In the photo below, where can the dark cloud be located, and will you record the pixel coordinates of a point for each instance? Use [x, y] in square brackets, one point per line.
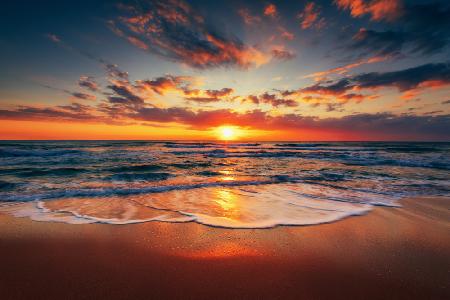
[428, 75]
[114, 72]
[83, 96]
[433, 112]
[271, 99]
[79, 95]
[73, 112]
[125, 95]
[282, 54]
[408, 79]
[164, 84]
[337, 88]
[219, 93]
[380, 42]
[422, 29]
[380, 125]
[89, 83]
[207, 96]
[174, 30]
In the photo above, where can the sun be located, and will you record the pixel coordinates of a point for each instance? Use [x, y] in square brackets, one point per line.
[226, 133]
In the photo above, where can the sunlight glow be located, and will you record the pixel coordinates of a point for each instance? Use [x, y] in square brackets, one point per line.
[227, 133]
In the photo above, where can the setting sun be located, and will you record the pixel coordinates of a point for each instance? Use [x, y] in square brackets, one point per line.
[227, 133]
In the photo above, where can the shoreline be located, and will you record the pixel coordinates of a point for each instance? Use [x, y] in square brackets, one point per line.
[401, 252]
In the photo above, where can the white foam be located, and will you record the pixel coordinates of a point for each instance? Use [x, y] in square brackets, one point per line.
[261, 206]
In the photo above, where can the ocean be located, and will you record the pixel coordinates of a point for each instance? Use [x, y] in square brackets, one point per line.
[232, 184]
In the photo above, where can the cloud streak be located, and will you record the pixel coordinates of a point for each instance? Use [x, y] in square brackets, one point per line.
[381, 125]
[408, 80]
[421, 29]
[310, 17]
[377, 9]
[175, 31]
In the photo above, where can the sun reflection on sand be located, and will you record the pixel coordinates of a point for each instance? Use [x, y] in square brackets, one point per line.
[221, 249]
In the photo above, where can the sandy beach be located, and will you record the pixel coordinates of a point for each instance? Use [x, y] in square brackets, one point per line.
[390, 253]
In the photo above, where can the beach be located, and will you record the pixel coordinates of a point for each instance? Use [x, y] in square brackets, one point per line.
[388, 253]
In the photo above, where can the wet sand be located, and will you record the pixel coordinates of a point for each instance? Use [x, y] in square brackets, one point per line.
[390, 253]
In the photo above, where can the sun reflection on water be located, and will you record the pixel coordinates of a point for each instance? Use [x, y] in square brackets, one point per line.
[226, 200]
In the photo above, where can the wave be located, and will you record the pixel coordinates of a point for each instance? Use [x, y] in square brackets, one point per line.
[97, 192]
[230, 207]
[209, 173]
[11, 152]
[301, 145]
[6, 185]
[154, 176]
[191, 165]
[35, 172]
[136, 168]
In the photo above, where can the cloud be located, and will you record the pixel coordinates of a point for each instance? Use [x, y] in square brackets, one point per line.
[445, 102]
[125, 95]
[404, 80]
[89, 83]
[282, 54]
[79, 95]
[270, 99]
[53, 37]
[208, 96]
[286, 34]
[422, 29]
[164, 84]
[175, 31]
[359, 126]
[83, 96]
[320, 76]
[114, 72]
[219, 93]
[310, 17]
[408, 80]
[74, 112]
[433, 112]
[270, 10]
[248, 18]
[377, 9]
[380, 42]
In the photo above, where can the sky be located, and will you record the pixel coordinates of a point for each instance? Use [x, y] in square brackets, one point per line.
[257, 70]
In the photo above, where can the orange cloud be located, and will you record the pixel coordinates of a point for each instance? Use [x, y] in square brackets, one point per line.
[137, 42]
[248, 18]
[423, 87]
[175, 31]
[319, 76]
[164, 84]
[286, 34]
[270, 10]
[310, 17]
[378, 9]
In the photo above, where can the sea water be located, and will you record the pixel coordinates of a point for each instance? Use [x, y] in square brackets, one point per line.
[233, 184]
